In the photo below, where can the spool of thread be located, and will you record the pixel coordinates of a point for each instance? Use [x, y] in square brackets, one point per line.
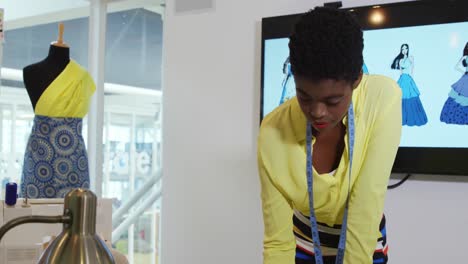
[11, 195]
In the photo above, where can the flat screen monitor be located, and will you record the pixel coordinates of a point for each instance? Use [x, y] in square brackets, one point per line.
[433, 77]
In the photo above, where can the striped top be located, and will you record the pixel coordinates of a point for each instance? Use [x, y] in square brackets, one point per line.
[329, 240]
[329, 236]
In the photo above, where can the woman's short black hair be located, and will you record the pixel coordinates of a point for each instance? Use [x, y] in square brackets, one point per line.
[327, 44]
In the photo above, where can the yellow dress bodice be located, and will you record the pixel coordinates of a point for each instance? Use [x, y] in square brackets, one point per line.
[68, 95]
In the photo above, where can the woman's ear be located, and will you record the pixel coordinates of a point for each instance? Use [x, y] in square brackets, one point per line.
[358, 81]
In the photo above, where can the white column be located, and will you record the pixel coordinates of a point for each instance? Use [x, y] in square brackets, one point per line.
[132, 160]
[96, 59]
[155, 154]
[1, 130]
[11, 167]
[2, 18]
[107, 168]
[153, 233]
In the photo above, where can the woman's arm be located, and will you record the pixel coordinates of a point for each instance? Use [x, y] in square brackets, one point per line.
[412, 65]
[279, 242]
[459, 67]
[368, 192]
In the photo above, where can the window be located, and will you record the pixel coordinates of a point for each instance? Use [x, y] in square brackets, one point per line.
[133, 127]
[28, 34]
[132, 105]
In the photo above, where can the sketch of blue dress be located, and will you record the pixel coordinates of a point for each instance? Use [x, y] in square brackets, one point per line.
[364, 69]
[412, 108]
[455, 110]
[288, 86]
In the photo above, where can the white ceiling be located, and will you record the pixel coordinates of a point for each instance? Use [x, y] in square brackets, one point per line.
[26, 13]
[30, 27]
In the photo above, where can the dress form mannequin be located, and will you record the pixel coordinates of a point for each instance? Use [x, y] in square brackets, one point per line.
[55, 159]
[38, 76]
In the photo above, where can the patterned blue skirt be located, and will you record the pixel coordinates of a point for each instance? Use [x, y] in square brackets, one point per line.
[455, 110]
[55, 160]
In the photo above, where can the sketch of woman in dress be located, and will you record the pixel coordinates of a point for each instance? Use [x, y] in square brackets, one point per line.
[455, 110]
[288, 86]
[412, 108]
[364, 69]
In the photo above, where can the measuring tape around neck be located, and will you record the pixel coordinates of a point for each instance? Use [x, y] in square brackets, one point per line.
[313, 219]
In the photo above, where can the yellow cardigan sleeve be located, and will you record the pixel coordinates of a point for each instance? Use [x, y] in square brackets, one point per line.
[369, 189]
[279, 242]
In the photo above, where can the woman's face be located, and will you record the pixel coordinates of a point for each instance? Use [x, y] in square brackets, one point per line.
[324, 102]
[404, 50]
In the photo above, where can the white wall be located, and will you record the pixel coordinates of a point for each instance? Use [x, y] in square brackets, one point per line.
[427, 220]
[211, 206]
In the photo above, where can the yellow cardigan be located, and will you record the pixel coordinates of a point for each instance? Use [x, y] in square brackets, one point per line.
[282, 168]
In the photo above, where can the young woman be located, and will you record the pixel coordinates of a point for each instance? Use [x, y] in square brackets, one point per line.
[412, 108]
[325, 156]
[455, 110]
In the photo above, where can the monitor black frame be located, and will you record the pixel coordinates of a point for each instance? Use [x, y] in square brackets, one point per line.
[441, 161]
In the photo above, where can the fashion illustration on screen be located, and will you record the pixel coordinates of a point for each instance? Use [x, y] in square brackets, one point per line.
[364, 69]
[288, 88]
[412, 108]
[455, 110]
